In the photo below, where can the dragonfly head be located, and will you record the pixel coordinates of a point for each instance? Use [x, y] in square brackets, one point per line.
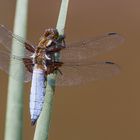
[51, 33]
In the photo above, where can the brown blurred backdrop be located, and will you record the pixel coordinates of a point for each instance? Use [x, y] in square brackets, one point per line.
[103, 110]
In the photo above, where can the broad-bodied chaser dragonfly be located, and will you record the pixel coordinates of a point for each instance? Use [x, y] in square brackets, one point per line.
[77, 65]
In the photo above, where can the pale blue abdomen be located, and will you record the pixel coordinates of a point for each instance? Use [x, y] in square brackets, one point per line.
[37, 94]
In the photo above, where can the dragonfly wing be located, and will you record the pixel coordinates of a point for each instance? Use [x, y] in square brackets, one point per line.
[76, 74]
[87, 50]
[6, 38]
[5, 59]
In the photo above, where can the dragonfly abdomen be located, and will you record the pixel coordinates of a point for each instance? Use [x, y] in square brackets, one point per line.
[37, 94]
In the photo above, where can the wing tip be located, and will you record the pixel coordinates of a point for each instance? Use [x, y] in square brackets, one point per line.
[108, 62]
[116, 35]
[112, 33]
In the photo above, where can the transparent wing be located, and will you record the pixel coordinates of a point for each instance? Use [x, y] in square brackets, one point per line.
[6, 38]
[73, 73]
[4, 65]
[80, 73]
[86, 50]
[78, 58]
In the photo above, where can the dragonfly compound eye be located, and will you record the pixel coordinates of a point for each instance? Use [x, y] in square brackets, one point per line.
[54, 33]
[51, 32]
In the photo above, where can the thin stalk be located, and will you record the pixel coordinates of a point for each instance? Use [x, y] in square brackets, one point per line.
[43, 123]
[14, 114]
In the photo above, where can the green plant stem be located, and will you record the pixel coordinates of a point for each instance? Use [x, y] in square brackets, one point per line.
[14, 114]
[43, 123]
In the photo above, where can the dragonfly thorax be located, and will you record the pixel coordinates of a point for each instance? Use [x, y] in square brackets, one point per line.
[40, 58]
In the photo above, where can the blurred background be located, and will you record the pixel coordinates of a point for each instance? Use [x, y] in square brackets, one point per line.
[103, 110]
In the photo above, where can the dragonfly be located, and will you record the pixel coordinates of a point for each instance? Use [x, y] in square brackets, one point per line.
[75, 65]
